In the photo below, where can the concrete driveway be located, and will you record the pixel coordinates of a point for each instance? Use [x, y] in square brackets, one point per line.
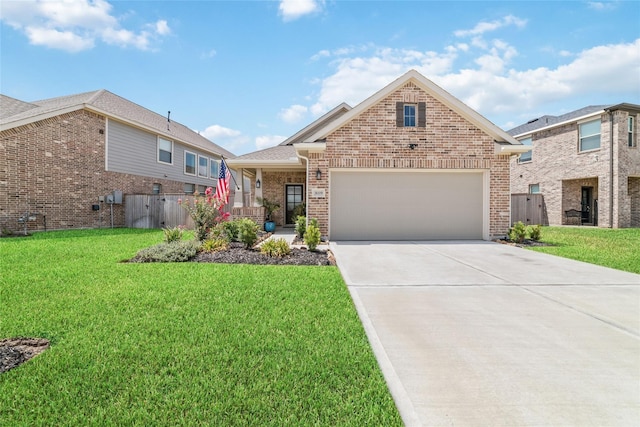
[479, 333]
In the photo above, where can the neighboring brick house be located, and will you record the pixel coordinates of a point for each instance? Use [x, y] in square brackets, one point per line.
[410, 162]
[61, 157]
[576, 165]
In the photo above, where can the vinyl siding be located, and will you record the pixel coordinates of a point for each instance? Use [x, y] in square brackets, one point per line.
[134, 151]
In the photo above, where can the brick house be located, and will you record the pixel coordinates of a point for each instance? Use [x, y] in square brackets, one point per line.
[62, 159]
[586, 161]
[410, 162]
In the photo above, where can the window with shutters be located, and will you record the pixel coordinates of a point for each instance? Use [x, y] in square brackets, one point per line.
[411, 114]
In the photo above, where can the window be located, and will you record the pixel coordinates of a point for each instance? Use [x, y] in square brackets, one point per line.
[165, 151]
[189, 188]
[589, 135]
[630, 129]
[526, 157]
[213, 170]
[203, 166]
[189, 163]
[534, 188]
[157, 188]
[202, 189]
[409, 116]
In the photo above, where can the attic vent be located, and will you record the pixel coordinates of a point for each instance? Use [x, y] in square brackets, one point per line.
[532, 121]
[410, 97]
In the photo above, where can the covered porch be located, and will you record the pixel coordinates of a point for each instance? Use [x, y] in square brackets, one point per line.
[580, 201]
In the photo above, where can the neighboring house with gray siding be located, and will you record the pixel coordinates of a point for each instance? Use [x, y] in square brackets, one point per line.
[60, 157]
[585, 163]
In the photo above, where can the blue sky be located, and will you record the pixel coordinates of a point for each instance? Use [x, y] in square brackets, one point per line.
[248, 74]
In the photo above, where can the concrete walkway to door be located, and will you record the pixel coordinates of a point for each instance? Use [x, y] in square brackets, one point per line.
[479, 333]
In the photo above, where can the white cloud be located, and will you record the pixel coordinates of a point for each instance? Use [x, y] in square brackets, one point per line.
[267, 141]
[75, 25]
[231, 139]
[483, 27]
[209, 54]
[293, 114]
[294, 9]
[599, 5]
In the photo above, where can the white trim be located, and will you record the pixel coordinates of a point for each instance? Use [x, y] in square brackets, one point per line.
[184, 169]
[566, 122]
[511, 149]
[217, 163]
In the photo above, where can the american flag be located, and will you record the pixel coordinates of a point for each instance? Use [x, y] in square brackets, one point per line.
[222, 189]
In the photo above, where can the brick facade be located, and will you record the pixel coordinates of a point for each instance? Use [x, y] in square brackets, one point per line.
[56, 167]
[373, 141]
[562, 171]
[274, 184]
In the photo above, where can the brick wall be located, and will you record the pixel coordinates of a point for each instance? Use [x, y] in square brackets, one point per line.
[561, 171]
[56, 167]
[273, 189]
[448, 141]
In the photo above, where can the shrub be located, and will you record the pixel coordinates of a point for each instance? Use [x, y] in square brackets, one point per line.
[312, 235]
[300, 210]
[215, 245]
[535, 232]
[518, 232]
[206, 212]
[180, 251]
[247, 232]
[275, 248]
[301, 225]
[173, 234]
[231, 229]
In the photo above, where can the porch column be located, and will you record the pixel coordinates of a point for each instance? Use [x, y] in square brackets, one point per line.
[258, 190]
[239, 198]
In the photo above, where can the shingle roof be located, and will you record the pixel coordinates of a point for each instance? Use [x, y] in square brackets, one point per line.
[545, 121]
[110, 104]
[277, 153]
[11, 106]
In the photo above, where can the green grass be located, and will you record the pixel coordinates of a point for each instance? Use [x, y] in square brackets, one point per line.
[615, 248]
[180, 344]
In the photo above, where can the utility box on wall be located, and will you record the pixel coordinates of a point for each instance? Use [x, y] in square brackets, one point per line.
[114, 198]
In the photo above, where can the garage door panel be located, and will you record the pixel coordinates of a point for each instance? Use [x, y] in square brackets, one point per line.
[406, 205]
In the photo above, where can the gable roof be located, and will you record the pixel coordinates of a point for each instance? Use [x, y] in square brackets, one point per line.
[550, 121]
[431, 88]
[105, 103]
[285, 153]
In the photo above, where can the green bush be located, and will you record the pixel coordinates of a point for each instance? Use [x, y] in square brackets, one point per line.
[300, 210]
[180, 251]
[301, 225]
[518, 232]
[173, 234]
[247, 232]
[535, 232]
[275, 248]
[215, 245]
[312, 235]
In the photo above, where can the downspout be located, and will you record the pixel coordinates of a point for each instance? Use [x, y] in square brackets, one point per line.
[306, 185]
[611, 139]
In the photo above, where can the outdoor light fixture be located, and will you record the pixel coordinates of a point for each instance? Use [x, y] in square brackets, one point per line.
[413, 146]
[258, 183]
[318, 174]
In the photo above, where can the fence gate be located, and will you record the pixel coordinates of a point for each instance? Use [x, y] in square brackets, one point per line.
[155, 211]
[529, 208]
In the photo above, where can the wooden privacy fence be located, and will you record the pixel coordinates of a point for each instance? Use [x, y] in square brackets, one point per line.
[158, 210]
[529, 208]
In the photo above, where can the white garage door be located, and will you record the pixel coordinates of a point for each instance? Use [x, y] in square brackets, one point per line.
[406, 205]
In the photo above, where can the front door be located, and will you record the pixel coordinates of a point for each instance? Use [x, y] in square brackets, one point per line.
[587, 205]
[294, 197]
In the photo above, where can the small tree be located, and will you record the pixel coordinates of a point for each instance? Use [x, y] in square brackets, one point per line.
[269, 207]
[312, 235]
[301, 225]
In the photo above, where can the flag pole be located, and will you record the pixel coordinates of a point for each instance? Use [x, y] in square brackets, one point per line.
[227, 166]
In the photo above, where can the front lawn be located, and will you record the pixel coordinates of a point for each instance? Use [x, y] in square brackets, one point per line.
[180, 344]
[615, 248]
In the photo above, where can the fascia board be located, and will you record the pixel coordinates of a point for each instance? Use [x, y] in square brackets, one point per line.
[266, 164]
[501, 149]
[566, 122]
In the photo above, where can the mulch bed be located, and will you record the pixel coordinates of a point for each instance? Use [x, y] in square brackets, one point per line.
[237, 254]
[526, 243]
[16, 351]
